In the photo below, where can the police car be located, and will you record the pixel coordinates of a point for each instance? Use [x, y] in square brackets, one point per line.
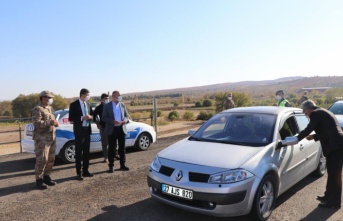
[139, 135]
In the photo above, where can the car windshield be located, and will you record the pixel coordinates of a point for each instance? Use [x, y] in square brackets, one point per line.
[247, 129]
[337, 108]
[62, 113]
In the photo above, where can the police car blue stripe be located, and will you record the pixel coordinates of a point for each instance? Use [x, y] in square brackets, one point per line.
[134, 133]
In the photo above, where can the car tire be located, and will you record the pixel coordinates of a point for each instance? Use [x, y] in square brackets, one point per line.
[143, 142]
[67, 153]
[321, 168]
[265, 198]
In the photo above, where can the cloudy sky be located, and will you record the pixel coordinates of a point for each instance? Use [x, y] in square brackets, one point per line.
[145, 45]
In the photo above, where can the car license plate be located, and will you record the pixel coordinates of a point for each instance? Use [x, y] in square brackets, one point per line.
[175, 191]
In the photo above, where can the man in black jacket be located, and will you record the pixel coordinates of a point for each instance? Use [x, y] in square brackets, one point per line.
[101, 124]
[80, 114]
[330, 135]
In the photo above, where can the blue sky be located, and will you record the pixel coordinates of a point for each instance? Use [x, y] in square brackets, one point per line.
[146, 45]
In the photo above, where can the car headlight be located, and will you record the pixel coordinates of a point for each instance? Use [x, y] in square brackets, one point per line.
[230, 176]
[155, 165]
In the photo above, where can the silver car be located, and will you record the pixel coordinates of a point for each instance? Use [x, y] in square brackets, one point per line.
[234, 163]
[337, 110]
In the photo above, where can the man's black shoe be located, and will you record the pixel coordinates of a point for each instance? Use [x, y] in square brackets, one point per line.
[87, 174]
[111, 170]
[329, 205]
[125, 168]
[322, 198]
[41, 185]
[47, 180]
[79, 177]
[117, 157]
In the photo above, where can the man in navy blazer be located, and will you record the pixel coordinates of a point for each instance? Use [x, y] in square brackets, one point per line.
[116, 117]
[80, 114]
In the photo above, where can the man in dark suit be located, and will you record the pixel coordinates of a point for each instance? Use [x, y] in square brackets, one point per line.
[101, 124]
[80, 114]
[330, 135]
[116, 117]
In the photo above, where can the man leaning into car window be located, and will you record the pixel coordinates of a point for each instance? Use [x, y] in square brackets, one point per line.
[330, 135]
[44, 135]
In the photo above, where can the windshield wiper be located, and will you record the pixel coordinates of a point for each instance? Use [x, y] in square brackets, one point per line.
[229, 142]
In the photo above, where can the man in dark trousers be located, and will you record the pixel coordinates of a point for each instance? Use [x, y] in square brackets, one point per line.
[101, 124]
[80, 114]
[116, 117]
[330, 135]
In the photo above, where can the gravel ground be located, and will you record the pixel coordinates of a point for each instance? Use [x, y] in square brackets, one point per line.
[124, 195]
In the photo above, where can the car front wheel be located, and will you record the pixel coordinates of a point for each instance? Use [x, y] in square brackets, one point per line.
[68, 152]
[143, 142]
[264, 200]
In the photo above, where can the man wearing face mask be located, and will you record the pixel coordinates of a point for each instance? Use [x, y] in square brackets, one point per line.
[330, 135]
[44, 135]
[281, 101]
[80, 114]
[101, 124]
[229, 103]
[116, 117]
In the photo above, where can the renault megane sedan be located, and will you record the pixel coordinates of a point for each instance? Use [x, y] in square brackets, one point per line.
[235, 164]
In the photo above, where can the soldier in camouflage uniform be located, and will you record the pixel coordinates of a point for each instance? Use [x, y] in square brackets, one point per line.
[228, 104]
[44, 136]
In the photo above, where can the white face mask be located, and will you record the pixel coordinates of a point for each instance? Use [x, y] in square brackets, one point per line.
[87, 98]
[120, 98]
[107, 101]
[50, 101]
[229, 98]
[278, 97]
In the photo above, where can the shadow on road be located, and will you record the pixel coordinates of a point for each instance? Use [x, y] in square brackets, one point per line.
[296, 188]
[149, 208]
[324, 214]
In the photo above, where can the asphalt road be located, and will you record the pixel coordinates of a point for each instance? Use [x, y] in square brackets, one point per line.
[125, 195]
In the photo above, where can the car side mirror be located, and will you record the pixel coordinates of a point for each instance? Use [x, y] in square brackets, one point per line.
[287, 141]
[191, 132]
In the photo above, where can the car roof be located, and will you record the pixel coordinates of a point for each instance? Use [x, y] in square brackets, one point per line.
[264, 110]
[338, 102]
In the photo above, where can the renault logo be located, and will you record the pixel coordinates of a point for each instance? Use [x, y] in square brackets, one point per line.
[179, 175]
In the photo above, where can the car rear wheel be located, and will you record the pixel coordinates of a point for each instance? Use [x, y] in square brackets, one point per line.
[264, 200]
[321, 168]
[68, 152]
[143, 142]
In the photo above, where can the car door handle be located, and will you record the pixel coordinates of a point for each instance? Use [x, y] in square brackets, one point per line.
[301, 147]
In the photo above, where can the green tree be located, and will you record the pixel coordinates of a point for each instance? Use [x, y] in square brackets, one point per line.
[332, 94]
[5, 108]
[23, 104]
[240, 99]
[188, 115]
[204, 115]
[206, 103]
[173, 115]
[198, 104]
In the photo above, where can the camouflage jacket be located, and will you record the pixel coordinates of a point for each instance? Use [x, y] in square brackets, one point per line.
[228, 104]
[41, 117]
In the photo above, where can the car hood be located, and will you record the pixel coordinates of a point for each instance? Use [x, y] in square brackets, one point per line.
[340, 119]
[209, 154]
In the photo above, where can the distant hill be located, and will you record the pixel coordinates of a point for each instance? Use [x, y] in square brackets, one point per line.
[254, 88]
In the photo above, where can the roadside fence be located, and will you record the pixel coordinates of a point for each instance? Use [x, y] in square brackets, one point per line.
[19, 130]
